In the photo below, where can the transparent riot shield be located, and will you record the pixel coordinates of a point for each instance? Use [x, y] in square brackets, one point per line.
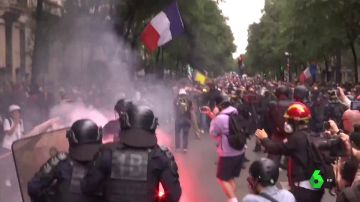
[32, 152]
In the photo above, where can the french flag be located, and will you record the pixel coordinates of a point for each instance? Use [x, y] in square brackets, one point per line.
[309, 72]
[164, 27]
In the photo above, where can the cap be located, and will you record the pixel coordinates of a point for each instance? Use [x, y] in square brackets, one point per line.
[14, 108]
[182, 91]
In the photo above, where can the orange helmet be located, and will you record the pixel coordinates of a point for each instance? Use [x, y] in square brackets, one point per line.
[298, 112]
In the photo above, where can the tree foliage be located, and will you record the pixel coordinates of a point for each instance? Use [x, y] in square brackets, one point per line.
[312, 30]
[207, 43]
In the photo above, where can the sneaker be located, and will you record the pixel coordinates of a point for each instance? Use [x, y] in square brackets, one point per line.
[185, 150]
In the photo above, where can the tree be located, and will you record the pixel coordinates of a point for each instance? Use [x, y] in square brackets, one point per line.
[207, 43]
[314, 30]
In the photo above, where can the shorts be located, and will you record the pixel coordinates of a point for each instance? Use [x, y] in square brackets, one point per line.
[229, 167]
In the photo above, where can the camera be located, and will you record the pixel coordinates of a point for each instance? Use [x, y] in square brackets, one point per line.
[355, 105]
[334, 145]
[326, 125]
[355, 136]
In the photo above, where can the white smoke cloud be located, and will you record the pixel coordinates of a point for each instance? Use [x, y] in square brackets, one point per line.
[68, 113]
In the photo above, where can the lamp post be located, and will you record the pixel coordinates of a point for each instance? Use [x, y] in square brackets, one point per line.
[288, 75]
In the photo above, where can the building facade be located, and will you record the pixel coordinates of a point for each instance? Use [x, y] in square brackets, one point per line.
[17, 25]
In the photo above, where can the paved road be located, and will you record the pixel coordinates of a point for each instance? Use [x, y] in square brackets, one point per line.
[197, 172]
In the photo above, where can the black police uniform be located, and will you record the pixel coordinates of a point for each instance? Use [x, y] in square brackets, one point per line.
[334, 110]
[132, 169]
[59, 178]
[275, 116]
[67, 173]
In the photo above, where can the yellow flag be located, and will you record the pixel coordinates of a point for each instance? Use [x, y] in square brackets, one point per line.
[201, 78]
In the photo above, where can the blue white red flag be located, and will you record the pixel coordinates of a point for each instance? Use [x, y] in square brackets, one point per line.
[164, 27]
[309, 72]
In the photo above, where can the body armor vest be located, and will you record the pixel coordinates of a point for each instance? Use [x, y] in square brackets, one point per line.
[71, 191]
[277, 112]
[131, 179]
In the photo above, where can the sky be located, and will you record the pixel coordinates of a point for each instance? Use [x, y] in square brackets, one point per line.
[241, 14]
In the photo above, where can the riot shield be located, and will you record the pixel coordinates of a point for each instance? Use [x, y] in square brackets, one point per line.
[32, 152]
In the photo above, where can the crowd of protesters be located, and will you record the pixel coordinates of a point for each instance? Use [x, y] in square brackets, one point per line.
[323, 112]
[328, 114]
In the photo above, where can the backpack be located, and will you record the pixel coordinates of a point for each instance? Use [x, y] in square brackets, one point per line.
[319, 161]
[182, 105]
[237, 131]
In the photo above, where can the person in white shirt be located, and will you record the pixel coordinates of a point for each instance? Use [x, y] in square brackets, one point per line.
[13, 127]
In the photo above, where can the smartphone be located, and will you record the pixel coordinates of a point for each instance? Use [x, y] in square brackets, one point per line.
[326, 125]
[355, 105]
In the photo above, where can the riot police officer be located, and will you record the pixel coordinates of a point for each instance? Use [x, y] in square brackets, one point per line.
[132, 170]
[301, 94]
[111, 130]
[275, 118]
[334, 110]
[59, 178]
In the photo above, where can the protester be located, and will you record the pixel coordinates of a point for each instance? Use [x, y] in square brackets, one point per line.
[262, 183]
[296, 126]
[183, 107]
[230, 160]
[13, 127]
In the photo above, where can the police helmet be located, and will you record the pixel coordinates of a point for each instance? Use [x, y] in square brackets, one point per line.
[141, 129]
[120, 106]
[144, 118]
[282, 91]
[85, 139]
[264, 171]
[84, 131]
[301, 93]
[126, 108]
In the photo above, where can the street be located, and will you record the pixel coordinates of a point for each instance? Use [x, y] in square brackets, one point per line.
[197, 170]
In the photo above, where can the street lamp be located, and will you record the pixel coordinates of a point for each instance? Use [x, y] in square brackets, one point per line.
[287, 54]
